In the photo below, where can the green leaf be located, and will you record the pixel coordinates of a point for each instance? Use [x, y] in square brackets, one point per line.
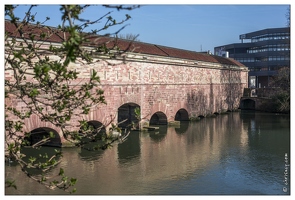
[73, 181]
[33, 93]
[61, 172]
[74, 190]
[55, 182]
[32, 159]
[9, 183]
[51, 134]
[43, 179]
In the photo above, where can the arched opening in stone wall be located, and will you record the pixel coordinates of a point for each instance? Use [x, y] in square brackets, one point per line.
[96, 127]
[128, 112]
[94, 131]
[181, 115]
[247, 104]
[39, 134]
[201, 116]
[159, 118]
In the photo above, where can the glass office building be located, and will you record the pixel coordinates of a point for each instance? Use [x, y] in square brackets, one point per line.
[263, 52]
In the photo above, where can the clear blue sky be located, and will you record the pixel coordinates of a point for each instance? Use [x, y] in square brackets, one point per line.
[193, 27]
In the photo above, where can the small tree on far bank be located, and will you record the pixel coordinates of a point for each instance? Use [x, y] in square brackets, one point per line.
[282, 81]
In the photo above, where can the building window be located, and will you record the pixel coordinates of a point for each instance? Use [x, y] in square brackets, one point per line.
[277, 47]
[276, 58]
[271, 36]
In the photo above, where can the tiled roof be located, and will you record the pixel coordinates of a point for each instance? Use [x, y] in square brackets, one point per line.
[126, 45]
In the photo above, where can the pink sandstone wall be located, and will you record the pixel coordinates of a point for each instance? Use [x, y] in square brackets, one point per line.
[164, 86]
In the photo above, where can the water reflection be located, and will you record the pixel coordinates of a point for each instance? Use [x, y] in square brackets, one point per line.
[159, 134]
[89, 155]
[236, 153]
[182, 127]
[130, 149]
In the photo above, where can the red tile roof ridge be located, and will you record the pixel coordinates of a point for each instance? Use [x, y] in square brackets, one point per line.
[133, 46]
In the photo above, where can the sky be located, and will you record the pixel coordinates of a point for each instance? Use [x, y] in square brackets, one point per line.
[196, 27]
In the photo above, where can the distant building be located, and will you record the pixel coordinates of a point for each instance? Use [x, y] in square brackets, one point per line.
[263, 52]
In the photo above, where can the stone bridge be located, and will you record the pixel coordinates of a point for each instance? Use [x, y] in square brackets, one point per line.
[166, 84]
[258, 99]
[254, 103]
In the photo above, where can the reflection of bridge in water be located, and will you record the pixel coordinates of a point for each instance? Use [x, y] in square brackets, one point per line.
[230, 149]
[174, 153]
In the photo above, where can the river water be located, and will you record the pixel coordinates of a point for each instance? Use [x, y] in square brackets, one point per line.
[240, 153]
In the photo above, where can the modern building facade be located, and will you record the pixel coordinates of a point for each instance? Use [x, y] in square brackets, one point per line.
[263, 52]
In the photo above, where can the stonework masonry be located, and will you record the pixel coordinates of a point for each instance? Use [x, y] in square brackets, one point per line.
[156, 84]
